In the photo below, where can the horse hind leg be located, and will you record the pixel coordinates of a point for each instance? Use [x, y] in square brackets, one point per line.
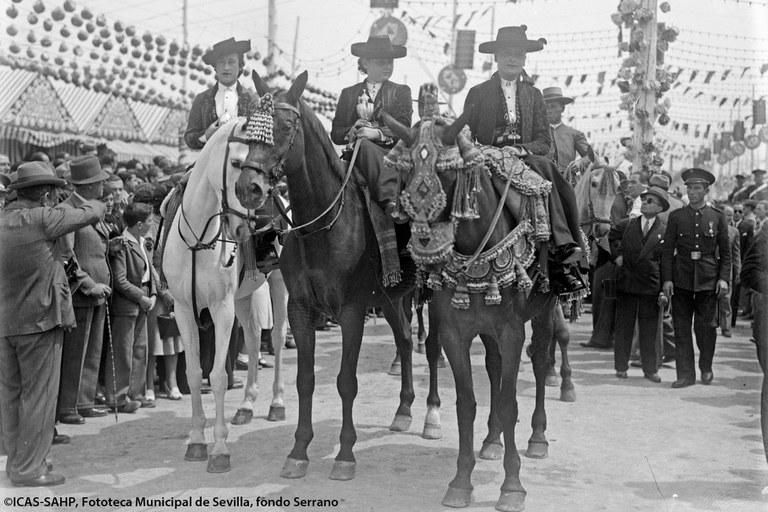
[432, 425]
[541, 339]
[493, 448]
[197, 449]
[397, 317]
[352, 320]
[563, 337]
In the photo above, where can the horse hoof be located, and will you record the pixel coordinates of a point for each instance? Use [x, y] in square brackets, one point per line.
[276, 413]
[401, 423]
[551, 381]
[394, 369]
[294, 468]
[457, 498]
[432, 431]
[511, 501]
[567, 395]
[196, 452]
[343, 470]
[537, 450]
[491, 451]
[218, 463]
[242, 417]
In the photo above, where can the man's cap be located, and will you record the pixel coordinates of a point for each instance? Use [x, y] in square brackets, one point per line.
[660, 194]
[697, 175]
[85, 170]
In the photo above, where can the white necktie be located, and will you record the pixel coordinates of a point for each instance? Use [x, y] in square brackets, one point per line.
[646, 226]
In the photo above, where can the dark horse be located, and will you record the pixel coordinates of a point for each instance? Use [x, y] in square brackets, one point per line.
[331, 264]
[476, 236]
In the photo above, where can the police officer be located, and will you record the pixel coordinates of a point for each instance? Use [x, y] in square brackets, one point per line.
[695, 269]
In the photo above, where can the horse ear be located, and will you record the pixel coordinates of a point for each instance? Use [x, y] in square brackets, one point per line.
[400, 130]
[259, 84]
[451, 132]
[297, 88]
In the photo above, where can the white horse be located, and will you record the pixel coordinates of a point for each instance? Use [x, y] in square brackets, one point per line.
[202, 270]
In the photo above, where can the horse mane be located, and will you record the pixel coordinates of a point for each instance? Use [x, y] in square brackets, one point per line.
[314, 133]
[609, 181]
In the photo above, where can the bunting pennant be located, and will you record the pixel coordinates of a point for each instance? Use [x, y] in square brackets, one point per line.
[709, 76]
[693, 75]
[601, 77]
[725, 74]
[744, 71]
[568, 80]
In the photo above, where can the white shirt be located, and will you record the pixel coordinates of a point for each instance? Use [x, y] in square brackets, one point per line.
[647, 224]
[140, 242]
[373, 89]
[509, 88]
[226, 102]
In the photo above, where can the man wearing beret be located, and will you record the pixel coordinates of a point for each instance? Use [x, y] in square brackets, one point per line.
[224, 101]
[35, 310]
[695, 269]
[567, 142]
[507, 110]
[81, 351]
[639, 282]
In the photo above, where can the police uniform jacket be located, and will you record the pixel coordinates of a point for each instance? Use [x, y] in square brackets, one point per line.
[392, 98]
[696, 251]
[203, 113]
[34, 292]
[486, 105]
[640, 273]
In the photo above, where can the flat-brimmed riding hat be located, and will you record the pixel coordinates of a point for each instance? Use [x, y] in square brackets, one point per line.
[85, 170]
[378, 47]
[512, 37]
[33, 174]
[555, 94]
[740, 176]
[226, 47]
[660, 194]
[758, 171]
[696, 175]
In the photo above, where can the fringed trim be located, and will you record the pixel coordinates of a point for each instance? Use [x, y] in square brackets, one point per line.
[435, 281]
[502, 163]
[392, 278]
[460, 299]
[465, 196]
[260, 123]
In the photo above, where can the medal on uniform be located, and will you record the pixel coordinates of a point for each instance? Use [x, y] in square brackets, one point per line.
[711, 229]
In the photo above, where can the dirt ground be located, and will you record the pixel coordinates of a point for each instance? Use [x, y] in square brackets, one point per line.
[624, 445]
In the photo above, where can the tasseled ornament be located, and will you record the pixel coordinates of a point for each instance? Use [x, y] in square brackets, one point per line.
[435, 281]
[523, 281]
[460, 298]
[248, 251]
[260, 124]
[492, 295]
[465, 196]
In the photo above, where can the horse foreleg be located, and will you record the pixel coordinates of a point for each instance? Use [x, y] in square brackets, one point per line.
[197, 449]
[251, 331]
[352, 318]
[563, 337]
[512, 497]
[300, 317]
[279, 329]
[432, 424]
[398, 319]
[223, 318]
[541, 339]
[493, 448]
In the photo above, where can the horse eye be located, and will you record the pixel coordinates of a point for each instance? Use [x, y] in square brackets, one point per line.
[236, 162]
[594, 184]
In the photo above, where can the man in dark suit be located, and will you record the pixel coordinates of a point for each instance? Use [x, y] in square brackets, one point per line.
[759, 190]
[696, 268]
[508, 110]
[81, 351]
[725, 301]
[738, 187]
[567, 142]
[639, 283]
[225, 100]
[35, 309]
[359, 107]
[135, 293]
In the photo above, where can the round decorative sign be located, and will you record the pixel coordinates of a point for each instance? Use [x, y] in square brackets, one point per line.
[738, 148]
[392, 27]
[451, 79]
[729, 155]
[752, 141]
[721, 159]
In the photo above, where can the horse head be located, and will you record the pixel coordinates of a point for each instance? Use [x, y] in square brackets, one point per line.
[595, 193]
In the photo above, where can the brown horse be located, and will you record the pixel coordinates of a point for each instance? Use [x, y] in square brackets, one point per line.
[331, 265]
[466, 233]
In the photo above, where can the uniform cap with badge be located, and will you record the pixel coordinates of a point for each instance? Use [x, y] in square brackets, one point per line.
[696, 175]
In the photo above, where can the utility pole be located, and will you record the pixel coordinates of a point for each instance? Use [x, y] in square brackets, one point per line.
[646, 104]
[452, 53]
[295, 47]
[185, 44]
[271, 35]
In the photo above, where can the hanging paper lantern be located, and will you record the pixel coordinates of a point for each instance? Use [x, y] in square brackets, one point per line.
[45, 58]
[171, 61]
[11, 30]
[69, 5]
[664, 119]
[136, 54]
[738, 148]
[31, 18]
[46, 42]
[173, 48]
[47, 25]
[77, 21]
[86, 13]
[147, 37]
[159, 57]
[104, 33]
[31, 37]
[183, 72]
[208, 71]
[108, 45]
[119, 26]
[101, 20]
[65, 32]
[149, 46]
[57, 14]
[130, 30]
[78, 51]
[31, 55]
[181, 63]
[38, 6]
[124, 49]
[131, 64]
[96, 41]
[90, 27]
[82, 35]
[12, 12]
[184, 53]
[105, 57]
[119, 37]
[136, 42]
[665, 7]
[14, 48]
[118, 62]
[59, 61]
[63, 47]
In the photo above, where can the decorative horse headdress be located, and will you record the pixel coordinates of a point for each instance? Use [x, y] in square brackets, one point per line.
[260, 123]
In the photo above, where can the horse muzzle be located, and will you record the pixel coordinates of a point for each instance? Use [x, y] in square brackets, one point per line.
[251, 189]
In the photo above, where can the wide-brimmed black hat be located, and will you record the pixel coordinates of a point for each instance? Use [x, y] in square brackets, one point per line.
[555, 94]
[696, 175]
[33, 174]
[226, 47]
[512, 37]
[378, 47]
[660, 194]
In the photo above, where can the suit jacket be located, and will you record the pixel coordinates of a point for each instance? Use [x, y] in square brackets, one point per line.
[34, 292]
[734, 240]
[486, 106]
[89, 245]
[566, 144]
[746, 232]
[759, 193]
[640, 273]
[128, 268]
[754, 272]
[392, 98]
[696, 250]
[203, 113]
